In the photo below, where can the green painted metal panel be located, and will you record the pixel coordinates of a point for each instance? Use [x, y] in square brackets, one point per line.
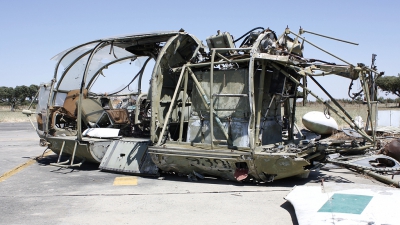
[346, 203]
[129, 156]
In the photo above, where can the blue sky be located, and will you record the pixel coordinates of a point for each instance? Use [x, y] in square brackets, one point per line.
[34, 31]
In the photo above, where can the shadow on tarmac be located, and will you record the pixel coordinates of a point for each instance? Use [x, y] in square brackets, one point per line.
[289, 207]
[46, 160]
[314, 176]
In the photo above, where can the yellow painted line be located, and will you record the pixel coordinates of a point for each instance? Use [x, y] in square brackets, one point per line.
[19, 168]
[125, 181]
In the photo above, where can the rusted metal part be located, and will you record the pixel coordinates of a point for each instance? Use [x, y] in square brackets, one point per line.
[392, 149]
[241, 174]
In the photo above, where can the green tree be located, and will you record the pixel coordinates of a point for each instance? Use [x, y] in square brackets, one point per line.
[21, 93]
[18, 95]
[382, 100]
[389, 84]
[7, 95]
[33, 89]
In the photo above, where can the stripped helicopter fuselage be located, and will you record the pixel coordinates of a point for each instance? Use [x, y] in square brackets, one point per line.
[228, 112]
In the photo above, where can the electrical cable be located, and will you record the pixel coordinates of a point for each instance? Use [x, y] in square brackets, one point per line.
[248, 33]
[134, 78]
[244, 41]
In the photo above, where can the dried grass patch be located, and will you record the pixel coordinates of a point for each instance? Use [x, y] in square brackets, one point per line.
[14, 117]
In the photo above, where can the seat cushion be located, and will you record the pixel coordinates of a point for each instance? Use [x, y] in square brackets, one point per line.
[119, 116]
[70, 102]
[91, 110]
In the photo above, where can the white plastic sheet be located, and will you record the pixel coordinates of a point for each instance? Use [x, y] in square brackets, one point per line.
[101, 132]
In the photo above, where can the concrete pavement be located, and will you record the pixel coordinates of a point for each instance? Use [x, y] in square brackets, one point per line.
[41, 193]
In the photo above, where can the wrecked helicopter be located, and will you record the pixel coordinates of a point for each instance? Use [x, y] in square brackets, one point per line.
[225, 110]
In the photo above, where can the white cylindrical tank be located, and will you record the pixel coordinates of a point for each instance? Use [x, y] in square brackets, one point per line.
[317, 122]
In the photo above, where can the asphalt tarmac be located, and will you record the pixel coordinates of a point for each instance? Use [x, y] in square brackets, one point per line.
[34, 192]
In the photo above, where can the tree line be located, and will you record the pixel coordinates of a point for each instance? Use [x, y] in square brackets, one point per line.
[20, 95]
[23, 95]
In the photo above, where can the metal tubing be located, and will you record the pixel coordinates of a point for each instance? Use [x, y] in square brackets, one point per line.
[166, 118]
[206, 102]
[287, 111]
[202, 92]
[265, 116]
[343, 150]
[143, 69]
[366, 92]
[70, 66]
[183, 105]
[371, 89]
[217, 119]
[321, 49]
[73, 49]
[79, 117]
[73, 153]
[72, 63]
[29, 117]
[335, 102]
[259, 102]
[37, 93]
[231, 49]
[61, 164]
[361, 132]
[137, 108]
[296, 41]
[312, 156]
[223, 57]
[157, 76]
[376, 117]
[215, 63]
[292, 112]
[106, 65]
[371, 70]
[383, 179]
[51, 97]
[336, 39]
[141, 76]
[298, 130]
[62, 149]
[211, 94]
[69, 166]
[320, 74]
[51, 94]
[230, 95]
